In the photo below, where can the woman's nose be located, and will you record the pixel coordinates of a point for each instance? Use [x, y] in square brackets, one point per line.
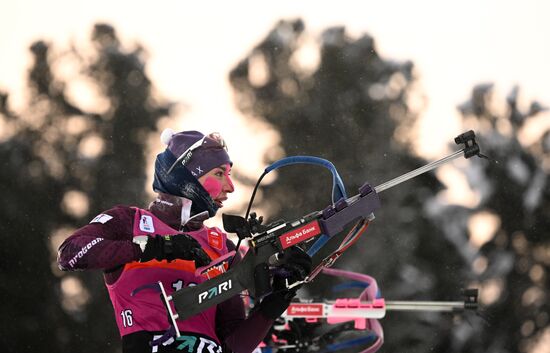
[228, 185]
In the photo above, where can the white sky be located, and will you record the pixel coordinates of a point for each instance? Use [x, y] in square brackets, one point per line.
[193, 45]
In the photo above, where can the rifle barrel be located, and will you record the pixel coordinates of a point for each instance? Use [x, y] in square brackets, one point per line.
[416, 172]
[424, 306]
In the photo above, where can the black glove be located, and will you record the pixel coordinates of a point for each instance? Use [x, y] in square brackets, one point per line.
[294, 265]
[178, 246]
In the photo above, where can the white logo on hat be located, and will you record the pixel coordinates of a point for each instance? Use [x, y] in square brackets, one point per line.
[199, 170]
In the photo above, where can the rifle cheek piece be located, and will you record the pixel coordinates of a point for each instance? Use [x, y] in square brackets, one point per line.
[237, 225]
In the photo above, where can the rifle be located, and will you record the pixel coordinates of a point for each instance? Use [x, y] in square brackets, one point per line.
[252, 273]
[297, 329]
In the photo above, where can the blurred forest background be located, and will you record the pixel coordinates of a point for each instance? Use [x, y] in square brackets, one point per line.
[62, 165]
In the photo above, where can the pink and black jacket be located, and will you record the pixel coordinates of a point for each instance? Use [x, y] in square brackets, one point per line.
[107, 243]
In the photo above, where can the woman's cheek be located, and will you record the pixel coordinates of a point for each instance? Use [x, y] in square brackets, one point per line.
[213, 186]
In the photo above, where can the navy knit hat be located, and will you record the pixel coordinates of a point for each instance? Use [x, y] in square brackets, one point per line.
[188, 156]
[197, 152]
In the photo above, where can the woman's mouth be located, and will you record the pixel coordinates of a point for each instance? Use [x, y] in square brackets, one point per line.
[219, 202]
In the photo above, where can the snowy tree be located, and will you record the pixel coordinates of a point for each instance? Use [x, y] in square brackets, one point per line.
[354, 108]
[64, 160]
[511, 257]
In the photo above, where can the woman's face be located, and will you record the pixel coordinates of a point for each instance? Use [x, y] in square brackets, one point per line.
[218, 183]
